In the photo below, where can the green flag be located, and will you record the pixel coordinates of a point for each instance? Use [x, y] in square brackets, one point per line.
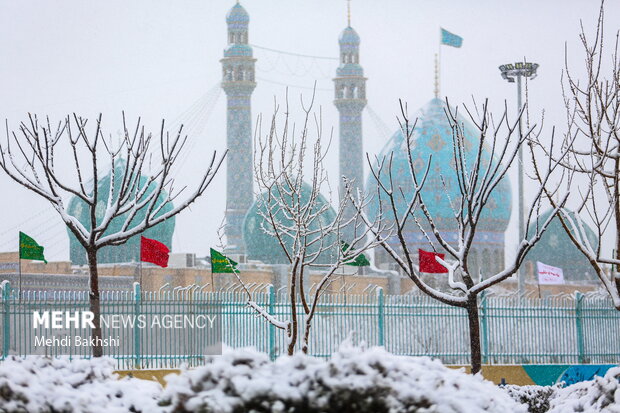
[359, 261]
[29, 249]
[221, 263]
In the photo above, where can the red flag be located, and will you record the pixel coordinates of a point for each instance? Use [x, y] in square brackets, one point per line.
[429, 264]
[154, 252]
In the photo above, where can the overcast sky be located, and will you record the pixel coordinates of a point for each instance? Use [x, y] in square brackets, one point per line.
[160, 59]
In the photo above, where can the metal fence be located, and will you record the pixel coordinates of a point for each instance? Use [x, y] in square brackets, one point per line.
[564, 329]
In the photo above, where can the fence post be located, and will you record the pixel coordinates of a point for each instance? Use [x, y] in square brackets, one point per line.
[579, 326]
[136, 330]
[484, 326]
[381, 316]
[272, 328]
[6, 321]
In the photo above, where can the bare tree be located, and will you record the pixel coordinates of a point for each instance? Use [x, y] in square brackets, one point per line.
[295, 213]
[29, 157]
[590, 155]
[477, 178]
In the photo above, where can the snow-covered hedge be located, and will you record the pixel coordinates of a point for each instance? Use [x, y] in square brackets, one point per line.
[599, 395]
[44, 385]
[353, 380]
[537, 398]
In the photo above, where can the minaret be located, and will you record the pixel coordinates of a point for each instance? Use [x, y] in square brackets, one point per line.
[350, 99]
[238, 82]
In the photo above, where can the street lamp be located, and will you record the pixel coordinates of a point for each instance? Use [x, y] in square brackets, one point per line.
[510, 71]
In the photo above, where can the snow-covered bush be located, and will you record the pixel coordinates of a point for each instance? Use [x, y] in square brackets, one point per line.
[599, 395]
[58, 385]
[353, 380]
[537, 398]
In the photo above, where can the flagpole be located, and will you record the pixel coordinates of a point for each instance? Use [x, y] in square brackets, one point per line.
[438, 67]
[19, 265]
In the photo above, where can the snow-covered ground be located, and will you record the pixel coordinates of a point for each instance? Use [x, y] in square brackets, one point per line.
[244, 380]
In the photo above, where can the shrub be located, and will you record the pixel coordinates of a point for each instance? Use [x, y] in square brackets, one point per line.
[537, 398]
[353, 380]
[58, 385]
[599, 395]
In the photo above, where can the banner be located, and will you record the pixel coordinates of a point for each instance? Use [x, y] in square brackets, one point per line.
[154, 252]
[450, 39]
[360, 261]
[549, 275]
[429, 264]
[29, 249]
[221, 263]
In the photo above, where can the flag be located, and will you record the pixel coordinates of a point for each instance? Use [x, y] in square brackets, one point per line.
[549, 275]
[451, 39]
[221, 263]
[29, 249]
[429, 264]
[154, 252]
[359, 261]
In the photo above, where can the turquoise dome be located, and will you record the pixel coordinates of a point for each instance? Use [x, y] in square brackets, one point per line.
[349, 38]
[238, 50]
[556, 248]
[237, 16]
[266, 248]
[130, 250]
[433, 136]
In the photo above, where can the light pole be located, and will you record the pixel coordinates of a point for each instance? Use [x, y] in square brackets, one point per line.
[519, 71]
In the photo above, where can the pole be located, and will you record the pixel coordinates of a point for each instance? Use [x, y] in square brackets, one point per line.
[521, 273]
[19, 265]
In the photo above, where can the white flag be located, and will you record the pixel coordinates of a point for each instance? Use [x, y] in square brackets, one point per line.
[549, 275]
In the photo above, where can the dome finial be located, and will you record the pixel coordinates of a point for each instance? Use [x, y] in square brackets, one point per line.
[349, 13]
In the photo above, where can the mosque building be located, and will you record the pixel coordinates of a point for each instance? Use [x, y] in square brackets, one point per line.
[432, 135]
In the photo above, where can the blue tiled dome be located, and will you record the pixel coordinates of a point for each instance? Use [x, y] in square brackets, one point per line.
[349, 37]
[263, 247]
[130, 250]
[237, 15]
[238, 50]
[433, 136]
[555, 248]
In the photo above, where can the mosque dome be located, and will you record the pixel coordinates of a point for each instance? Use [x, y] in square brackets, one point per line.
[237, 16]
[238, 50]
[556, 248]
[349, 37]
[433, 136]
[266, 248]
[130, 250]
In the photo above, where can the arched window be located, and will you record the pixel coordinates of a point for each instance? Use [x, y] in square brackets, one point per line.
[231, 37]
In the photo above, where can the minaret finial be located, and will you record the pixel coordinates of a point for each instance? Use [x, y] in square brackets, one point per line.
[436, 76]
[349, 13]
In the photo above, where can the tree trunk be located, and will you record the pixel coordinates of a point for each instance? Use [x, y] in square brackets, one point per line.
[474, 334]
[94, 302]
[614, 268]
[293, 293]
[304, 347]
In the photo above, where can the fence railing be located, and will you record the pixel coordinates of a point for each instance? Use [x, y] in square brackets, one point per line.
[567, 329]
